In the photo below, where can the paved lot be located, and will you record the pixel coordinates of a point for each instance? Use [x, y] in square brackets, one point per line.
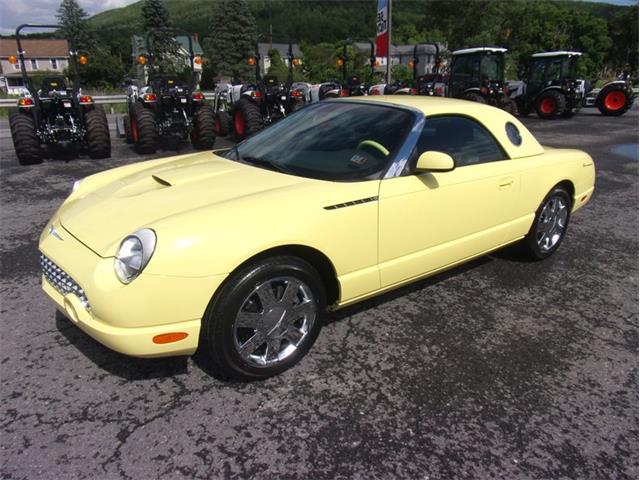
[499, 369]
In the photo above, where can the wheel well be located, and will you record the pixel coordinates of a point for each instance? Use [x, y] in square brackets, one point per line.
[316, 258]
[568, 185]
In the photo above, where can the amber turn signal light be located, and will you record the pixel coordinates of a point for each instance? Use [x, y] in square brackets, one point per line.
[170, 337]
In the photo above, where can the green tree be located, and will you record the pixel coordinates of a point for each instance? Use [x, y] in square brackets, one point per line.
[72, 18]
[232, 40]
[162, 45]
[281, 70]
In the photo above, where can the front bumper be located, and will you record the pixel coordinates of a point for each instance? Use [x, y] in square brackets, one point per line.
[124, 318]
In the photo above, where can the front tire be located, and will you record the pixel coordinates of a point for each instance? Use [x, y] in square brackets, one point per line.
[98, 138]
[264, 319]
[549, 225]
[247, 119]
[551, 105]
[613, 101]
[25, 139]
[222, 123]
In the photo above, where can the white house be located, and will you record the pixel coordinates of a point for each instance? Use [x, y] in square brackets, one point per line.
[41, 56]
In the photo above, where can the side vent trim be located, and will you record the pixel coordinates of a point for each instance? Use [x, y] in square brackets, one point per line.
[351, 203]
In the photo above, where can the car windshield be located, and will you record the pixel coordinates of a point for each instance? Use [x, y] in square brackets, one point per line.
[336, 141]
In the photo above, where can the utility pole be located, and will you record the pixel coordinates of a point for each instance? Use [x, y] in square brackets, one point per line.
[389, 42]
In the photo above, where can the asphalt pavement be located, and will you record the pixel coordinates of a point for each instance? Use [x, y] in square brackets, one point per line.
[499, 369]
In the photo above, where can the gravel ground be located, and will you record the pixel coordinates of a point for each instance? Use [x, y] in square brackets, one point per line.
[499, 369]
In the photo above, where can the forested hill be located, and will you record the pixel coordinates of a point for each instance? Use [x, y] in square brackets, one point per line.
[314, 21]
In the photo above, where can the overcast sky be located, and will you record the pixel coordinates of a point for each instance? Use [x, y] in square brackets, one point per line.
[15, 12]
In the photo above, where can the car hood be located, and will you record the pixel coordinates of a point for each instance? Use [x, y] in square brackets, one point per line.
[101, 217]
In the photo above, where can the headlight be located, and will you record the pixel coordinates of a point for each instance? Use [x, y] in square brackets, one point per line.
[134, 253]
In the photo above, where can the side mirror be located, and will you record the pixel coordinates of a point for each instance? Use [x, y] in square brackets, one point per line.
[432, 161]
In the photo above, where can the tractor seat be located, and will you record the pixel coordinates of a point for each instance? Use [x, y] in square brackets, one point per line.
[52, 84]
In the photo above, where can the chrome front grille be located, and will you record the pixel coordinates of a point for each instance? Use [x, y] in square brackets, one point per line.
[62, 282]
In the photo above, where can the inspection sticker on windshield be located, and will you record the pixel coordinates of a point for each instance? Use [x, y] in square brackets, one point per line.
[358, 160]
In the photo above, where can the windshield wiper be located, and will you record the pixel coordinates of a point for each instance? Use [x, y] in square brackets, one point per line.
[261, 162]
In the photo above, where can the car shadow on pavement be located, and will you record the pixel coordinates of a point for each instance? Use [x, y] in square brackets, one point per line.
[129, 368]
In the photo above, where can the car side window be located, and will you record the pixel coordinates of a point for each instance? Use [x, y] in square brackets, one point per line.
[468, 142]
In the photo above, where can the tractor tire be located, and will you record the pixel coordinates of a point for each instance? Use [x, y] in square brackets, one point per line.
[474, 97]
[98, 138]
[202, 135]
[25, 139]
[143, 130]
[126, 122]
[551, 105]
[222, 123]
[613, 101]
[247, 119]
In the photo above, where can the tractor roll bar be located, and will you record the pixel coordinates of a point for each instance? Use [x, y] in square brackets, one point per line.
[416, 60]
[23, 69]
[372, 56]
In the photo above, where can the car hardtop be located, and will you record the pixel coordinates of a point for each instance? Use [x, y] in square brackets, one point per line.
[493, 119]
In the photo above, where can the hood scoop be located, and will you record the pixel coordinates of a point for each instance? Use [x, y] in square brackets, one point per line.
[161, 181]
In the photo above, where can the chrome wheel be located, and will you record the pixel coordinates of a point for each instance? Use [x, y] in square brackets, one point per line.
[551, 223]
[274, 320]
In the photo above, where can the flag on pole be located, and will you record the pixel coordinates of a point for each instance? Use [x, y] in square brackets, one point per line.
[382, 28]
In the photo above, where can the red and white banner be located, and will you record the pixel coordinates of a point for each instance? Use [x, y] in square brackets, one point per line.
[382, 28]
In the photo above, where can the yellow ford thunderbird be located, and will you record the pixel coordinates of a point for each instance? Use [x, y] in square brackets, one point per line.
[238, 252]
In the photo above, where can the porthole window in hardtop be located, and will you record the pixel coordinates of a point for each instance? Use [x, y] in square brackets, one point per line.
[514, 134]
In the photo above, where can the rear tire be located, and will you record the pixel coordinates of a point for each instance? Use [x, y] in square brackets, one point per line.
[247, 119]
[551, 105]
[241, 350]
[613, 101]
[549, 225]
[222, 123]
[98, 138]
[202, 135]
[143, 130]
[126, 122]
[474, 97]
[25, 138]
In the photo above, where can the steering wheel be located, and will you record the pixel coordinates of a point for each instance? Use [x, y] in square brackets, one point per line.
[373, 144]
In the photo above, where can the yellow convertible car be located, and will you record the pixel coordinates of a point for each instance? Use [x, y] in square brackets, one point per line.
[238, 252]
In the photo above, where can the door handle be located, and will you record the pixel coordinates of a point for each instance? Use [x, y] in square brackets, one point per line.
[506, 182]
